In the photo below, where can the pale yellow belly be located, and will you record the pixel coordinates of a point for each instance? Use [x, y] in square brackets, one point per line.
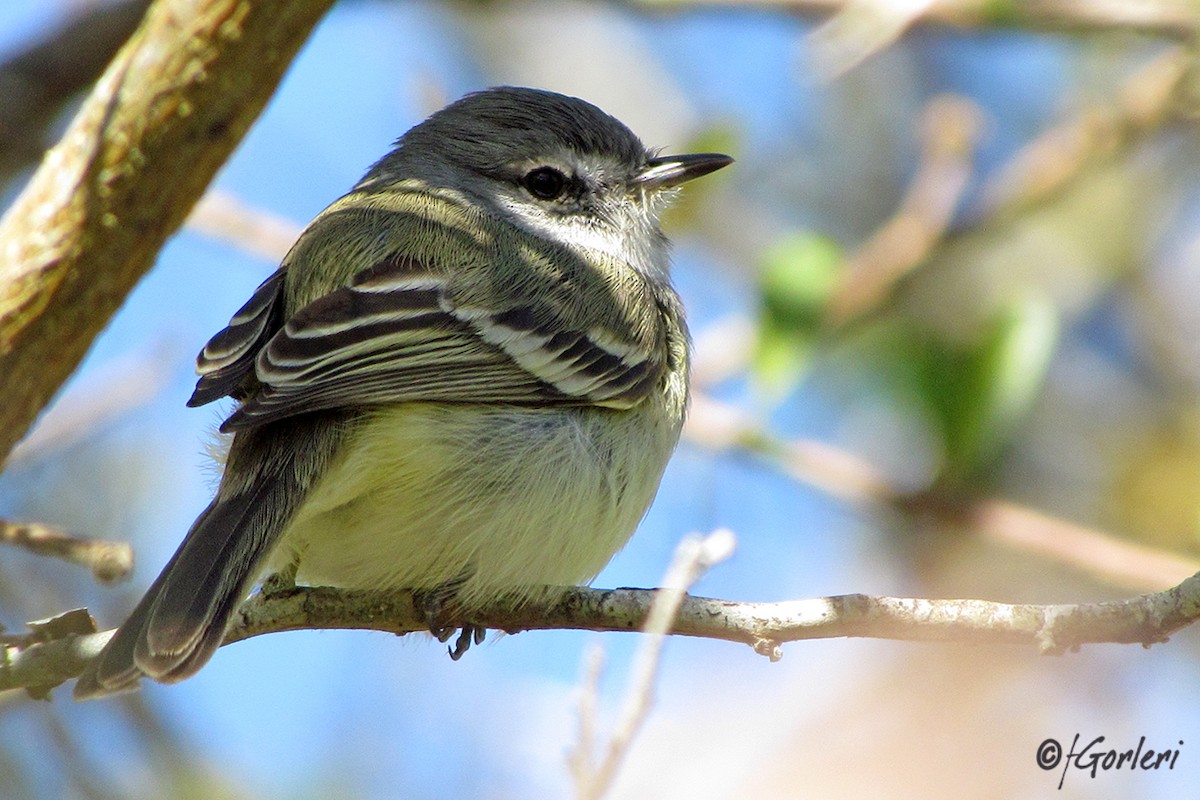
[501, 499]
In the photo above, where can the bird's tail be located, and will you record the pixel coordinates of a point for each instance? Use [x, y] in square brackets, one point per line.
[180, 622]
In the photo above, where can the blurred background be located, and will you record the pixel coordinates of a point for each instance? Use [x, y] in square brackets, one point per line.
[947, 317]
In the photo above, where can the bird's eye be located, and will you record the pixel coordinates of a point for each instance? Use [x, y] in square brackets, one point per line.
[545, 183]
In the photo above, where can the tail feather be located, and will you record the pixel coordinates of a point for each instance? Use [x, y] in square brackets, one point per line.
[174, 624]
[181, 620]
[218, 560]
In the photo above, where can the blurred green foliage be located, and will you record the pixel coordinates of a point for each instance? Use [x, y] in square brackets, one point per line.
[799, 273]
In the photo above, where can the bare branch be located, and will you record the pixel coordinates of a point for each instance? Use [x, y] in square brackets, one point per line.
[1172, 19]
[109, 561]
[693, 557]
[950, 130]
[161, 120]
[1052, 629]
[1145, 619]
[851, 479]
[106, 394]
[859, 30]
[580, 758]
[53, 650]
[1146, 101]
[253, 230]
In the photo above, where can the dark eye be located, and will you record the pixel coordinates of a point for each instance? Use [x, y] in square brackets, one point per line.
[545, 183]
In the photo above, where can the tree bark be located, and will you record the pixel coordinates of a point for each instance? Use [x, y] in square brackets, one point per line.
[159, 123]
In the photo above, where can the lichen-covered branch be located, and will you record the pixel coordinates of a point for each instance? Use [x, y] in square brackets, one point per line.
[158, 124]
[44, 76]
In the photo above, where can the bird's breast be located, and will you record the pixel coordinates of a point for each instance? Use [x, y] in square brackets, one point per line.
[499, 499]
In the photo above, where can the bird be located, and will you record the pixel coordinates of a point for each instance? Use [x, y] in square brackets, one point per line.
[465, 379]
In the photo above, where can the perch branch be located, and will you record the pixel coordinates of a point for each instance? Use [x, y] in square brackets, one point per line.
[39, 661]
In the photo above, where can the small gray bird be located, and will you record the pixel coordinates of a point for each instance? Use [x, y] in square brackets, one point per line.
[465, 379]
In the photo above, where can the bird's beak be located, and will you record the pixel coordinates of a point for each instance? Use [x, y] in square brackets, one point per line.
[666, 171]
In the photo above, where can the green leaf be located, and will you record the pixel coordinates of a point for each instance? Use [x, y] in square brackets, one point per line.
[800, 272]
[981, 393]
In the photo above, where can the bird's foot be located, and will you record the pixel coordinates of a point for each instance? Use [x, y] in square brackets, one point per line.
[444, 618]
[280, 582]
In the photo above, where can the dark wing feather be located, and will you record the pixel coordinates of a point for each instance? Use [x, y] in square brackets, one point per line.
[393, 335]
[228, 359]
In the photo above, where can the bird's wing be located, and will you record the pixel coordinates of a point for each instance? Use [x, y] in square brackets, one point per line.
[394, 334]
[227, 361]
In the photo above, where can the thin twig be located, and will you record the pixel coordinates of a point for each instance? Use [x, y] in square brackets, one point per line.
[859, 30]
[253, 230]
[110, 392]
[109, 561]
[580, 758]
[693, 557]
[950, 130]
[852, 479]
[1145, 101]
[1171, 19]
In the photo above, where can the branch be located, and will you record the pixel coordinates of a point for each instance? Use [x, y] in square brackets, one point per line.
[109, 561]
[849, 478]
[40, 80]
[255, 231]
[54, 650]
[950, 129]
[161, 120]
[1053, 629]
[594, 772]
[1153, 97]
[1147, 101]
[106, 394]
[1171, 19]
